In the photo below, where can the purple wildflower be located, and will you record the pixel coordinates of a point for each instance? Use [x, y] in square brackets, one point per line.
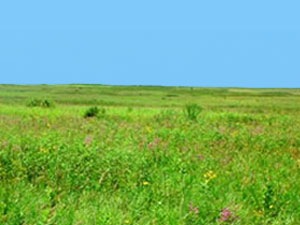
[227, 216]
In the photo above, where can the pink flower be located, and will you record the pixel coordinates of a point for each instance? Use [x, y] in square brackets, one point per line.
[88, 140]
[227, 216]
[194, 209]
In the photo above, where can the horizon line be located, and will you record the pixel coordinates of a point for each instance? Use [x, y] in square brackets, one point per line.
[145, 85]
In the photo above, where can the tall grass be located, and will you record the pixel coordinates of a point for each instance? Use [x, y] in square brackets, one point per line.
[150, 165]
[192, 111]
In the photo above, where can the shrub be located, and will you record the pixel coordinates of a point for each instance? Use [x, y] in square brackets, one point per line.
[94, 111]
[192, 111]
[45, 103]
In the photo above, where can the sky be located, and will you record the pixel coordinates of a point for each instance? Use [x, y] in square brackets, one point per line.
[215, 43]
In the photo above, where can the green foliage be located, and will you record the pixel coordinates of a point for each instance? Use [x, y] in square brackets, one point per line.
[192, 111]
[147, 96]
[149, 165]
[44, 103]
[94, 111]
[91, 112]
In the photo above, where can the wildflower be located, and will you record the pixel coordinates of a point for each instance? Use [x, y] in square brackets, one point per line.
[210, 175]
[146, 183]
[259, 213]
[44, 150]
[194, 209]
[88, 140]
[150, 145]
[227, 215]
[148, 129]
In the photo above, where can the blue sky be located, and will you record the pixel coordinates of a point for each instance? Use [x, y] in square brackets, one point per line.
[212, 43]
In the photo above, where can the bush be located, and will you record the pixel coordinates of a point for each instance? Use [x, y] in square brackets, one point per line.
[192, 111]
[94, 112]
[45, 103]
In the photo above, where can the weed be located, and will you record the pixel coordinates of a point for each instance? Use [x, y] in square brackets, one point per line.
[94, 111]
[44, 103]
[192, 111]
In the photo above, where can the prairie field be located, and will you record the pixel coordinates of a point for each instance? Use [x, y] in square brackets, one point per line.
[149, 155]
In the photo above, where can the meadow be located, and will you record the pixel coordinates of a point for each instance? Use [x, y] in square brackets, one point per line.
[149, 155]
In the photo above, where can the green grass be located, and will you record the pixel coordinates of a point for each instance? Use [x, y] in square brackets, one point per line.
[144, 161]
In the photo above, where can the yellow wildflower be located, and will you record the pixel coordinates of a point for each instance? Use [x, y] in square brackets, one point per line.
[210, 175]
[44, 150]
[246, 180]
[148, 129]
[259, 212]
[145, 183]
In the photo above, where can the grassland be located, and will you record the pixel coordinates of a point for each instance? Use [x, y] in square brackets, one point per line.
[144, 161]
